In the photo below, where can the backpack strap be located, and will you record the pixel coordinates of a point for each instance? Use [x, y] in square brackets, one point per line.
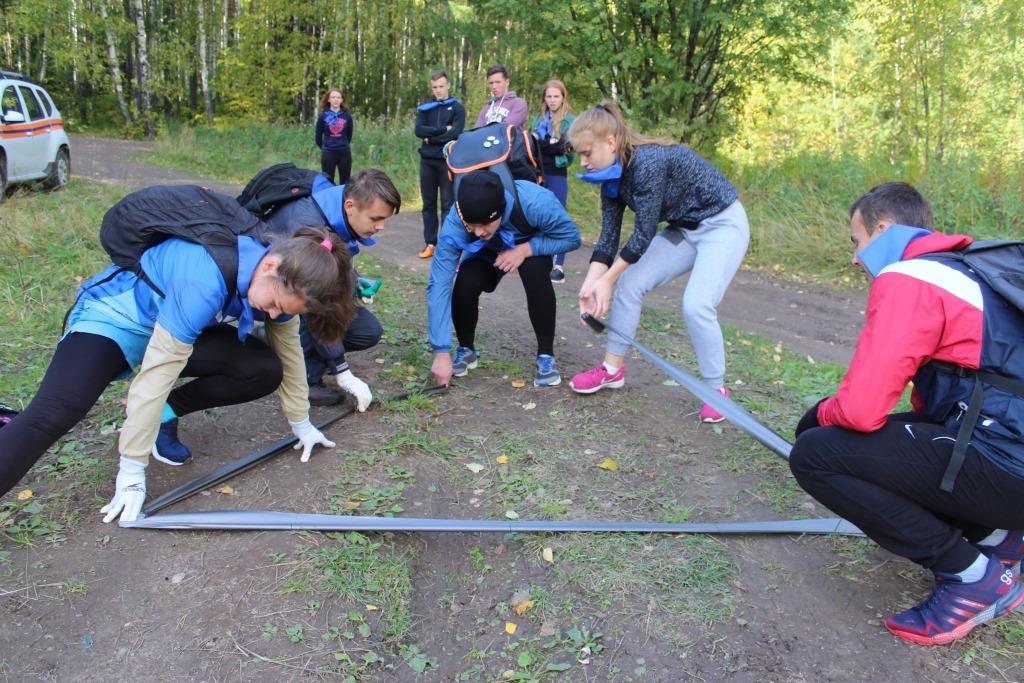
[970, 418]
[518, 217]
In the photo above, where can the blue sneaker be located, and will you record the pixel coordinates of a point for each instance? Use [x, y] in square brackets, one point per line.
[1010, 552]
[465, 360]
[547, 375]
[955, 608]
[168, 449]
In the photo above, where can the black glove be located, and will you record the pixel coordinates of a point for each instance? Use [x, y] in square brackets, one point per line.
[809, 420]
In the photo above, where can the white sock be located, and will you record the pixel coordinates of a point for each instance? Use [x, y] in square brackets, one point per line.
[976, 571]
[610, 369]
[994, 538]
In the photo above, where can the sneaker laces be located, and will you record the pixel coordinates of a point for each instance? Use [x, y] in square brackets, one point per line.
[545, 364]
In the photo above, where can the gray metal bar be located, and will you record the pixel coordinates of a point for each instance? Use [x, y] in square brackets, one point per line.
[735, 413]
[239, 520]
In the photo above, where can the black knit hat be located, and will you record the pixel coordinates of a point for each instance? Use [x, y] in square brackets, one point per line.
[481, 197]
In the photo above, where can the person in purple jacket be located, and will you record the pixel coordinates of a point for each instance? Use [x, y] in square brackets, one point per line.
[504, 106]
[334, 137]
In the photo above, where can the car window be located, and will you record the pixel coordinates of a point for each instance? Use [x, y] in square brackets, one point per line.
[9, 101]
[35, 112]
[44, 102]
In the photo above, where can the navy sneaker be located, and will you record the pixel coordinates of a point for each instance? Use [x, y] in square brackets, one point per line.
[557, 275]
[168, 449]
[547, 375]
[465, 360]
[1010, 552]
[954, 608]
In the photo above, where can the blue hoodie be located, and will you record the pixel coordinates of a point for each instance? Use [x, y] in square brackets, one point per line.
[555, 234]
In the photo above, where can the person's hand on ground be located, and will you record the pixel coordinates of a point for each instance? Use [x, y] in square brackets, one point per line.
[351, 384]
[129, 493]
[441, 368]
[308, 436]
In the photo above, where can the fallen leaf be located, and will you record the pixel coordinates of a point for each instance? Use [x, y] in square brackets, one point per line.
[379, 361]
[510, 627]
[810, 360]
[225, 489]
[549, 555]
[474, 467]
[523, 607]
[670, 383]
[512, 514]
[518, 383]
[372, 608]
[777, 358]
[501, 460]
[588, 451]
[546, 631]
[608, 464]
[24, 495]
[529, 406]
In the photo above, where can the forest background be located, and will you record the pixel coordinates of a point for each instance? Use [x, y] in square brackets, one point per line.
[804, 105]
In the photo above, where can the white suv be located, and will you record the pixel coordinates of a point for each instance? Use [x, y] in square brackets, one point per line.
[33, 144]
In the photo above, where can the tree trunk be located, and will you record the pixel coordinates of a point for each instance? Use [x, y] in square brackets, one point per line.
[115, 70]
[204, 69]
[143, 62]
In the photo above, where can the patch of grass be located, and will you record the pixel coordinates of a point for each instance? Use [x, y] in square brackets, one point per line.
[359, 570]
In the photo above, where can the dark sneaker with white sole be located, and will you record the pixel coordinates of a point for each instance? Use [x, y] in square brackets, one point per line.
[168, 448]
[547, 375]
[465, 360]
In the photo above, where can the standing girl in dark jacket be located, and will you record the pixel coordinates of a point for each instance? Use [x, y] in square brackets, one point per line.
[334, 136]
[551, 127]
[707, 236]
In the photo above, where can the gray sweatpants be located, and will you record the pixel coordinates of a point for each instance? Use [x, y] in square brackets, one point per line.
[713, 251]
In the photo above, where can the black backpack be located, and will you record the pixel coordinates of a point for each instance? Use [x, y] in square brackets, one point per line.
[503, 149]
[149, 216]
[1000, 265]
[276, 185]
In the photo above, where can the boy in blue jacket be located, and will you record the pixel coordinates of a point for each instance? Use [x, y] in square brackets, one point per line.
[481, 233]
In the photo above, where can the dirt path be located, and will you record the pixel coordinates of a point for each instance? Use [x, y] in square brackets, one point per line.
[102, 603]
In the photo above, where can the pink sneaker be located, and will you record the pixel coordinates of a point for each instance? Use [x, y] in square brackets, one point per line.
[709, 414]
[598, 378]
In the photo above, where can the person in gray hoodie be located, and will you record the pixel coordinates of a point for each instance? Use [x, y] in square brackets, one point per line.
[504, 106]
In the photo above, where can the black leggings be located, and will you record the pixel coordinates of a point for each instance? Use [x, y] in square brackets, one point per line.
[887, 483]
[340, 159]
[476, 275]
[228, 371]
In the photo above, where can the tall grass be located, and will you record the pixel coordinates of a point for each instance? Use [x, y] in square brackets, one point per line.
[48, 244]
[797, 205]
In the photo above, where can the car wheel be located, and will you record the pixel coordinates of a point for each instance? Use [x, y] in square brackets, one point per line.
[60, 173]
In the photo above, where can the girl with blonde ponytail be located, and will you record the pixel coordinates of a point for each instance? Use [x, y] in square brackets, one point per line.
[706, 235]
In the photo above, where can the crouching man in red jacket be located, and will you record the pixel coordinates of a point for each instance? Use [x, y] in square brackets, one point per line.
[899, 477]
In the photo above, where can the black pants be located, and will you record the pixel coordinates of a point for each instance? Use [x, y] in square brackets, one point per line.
[433, 181]
[363, 332]
[887, 483]
[227, 371]
[340, 159]
[476, 275]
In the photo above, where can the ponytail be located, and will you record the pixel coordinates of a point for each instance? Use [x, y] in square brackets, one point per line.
[315, 264]
[597, 123]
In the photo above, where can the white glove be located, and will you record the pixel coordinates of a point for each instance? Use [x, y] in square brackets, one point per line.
[129, 492]
[353, 385]
[308, 436]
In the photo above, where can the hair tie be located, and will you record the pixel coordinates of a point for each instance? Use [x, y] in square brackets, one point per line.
[327, 244]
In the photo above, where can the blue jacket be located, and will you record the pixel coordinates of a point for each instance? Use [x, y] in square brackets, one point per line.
[125, 309]
[325, 207]
[555, 234]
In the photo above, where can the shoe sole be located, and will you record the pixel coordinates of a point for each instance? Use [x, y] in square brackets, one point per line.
[617, 384]
[547, 383]
[463, 373]
[712, 420]
[172, 463]
[1013, 601]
